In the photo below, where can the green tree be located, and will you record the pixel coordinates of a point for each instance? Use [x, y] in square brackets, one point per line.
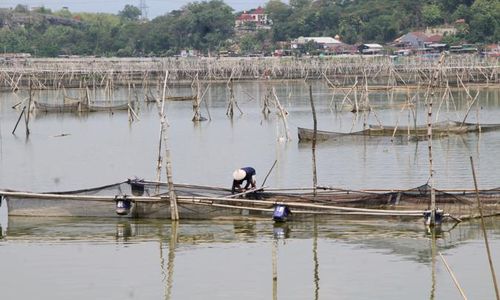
[21, 8]
[299, 4]
[432, 14]
[278, 11]
[130, 13]
[248, 44]
[64, 13]
[485, 21]
[43, 10]
[203, 25]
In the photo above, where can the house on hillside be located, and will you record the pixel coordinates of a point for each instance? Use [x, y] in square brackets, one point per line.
[255, 18]
[371, 49]
[323, 42]
[413, 40]
[441, 30]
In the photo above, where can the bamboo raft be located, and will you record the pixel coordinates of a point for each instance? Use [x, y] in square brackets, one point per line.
[439, 129]
[150, 200]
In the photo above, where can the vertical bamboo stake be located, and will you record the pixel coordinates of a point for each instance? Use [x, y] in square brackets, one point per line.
[429, 141]
[129, 100]
[282, 114]
[196, 102]
[483, 227]
[174, 213]
[431, 169]
[315, 126]
[27, 115]
[160, 139]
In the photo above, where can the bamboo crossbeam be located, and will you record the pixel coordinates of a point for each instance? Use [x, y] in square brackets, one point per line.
[195, 199]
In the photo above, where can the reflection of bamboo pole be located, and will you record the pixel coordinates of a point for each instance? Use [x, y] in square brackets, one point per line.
[315, 126]
[315, 259]
[457, 284]
[483, 227]
[171, 257]
[433, 263]
[275, 269]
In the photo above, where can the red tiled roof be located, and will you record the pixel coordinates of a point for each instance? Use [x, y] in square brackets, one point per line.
[419, 34]
[434, 38]
[245, 17]
[258, 11]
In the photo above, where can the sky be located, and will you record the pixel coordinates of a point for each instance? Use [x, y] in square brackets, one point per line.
[154, 7]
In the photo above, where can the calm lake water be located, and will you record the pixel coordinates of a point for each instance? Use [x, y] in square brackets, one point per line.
[324, 259]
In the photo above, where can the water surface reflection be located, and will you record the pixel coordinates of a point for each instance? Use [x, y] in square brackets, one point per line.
[318, 259]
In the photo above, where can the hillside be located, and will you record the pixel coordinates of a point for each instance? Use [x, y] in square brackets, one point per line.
[209, 26]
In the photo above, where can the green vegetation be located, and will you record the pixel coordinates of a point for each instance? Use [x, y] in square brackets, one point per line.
[208, 26]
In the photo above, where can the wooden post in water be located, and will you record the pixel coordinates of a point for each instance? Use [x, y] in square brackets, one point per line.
[315, 131]
[19, 119]
[429, 140]
[282, 113]
[174, 213]
[483, 227]
[196, 102]
[27, 115]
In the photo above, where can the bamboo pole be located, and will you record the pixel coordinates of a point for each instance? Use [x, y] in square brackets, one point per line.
[457, 284]
[174, 212]
[483, 228]
[282, 113]
[27, 115]
[429, 142]
[268, 173]
[19, 119]
[211, 200]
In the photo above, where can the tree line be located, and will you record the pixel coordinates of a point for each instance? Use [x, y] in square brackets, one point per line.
[208, 26]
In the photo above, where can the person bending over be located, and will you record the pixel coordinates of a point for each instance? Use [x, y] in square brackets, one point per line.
[244, 174]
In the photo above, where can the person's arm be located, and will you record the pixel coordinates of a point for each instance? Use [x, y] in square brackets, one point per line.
[236, 185]
[248, 184]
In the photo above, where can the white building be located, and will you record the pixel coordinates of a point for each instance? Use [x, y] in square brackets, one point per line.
[325, 42]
